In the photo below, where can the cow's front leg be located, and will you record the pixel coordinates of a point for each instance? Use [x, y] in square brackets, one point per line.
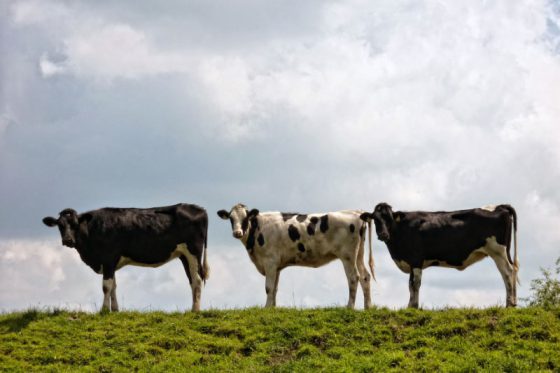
[108, 284]
[271, 285]
[414, 287]
[352, 276]
[114, 303]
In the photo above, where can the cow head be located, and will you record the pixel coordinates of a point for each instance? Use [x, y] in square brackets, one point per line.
[239, 217]
[384, 222]
[71, 226]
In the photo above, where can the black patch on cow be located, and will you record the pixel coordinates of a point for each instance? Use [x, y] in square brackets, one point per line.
[244, 224]
[352, 228]
[362, 230]
[311, 229]
[251, 237]
[300, 247]
[324, 223]
[301, 217]
[312, 224]
[288, 215]
[293, 233]
[260, 240]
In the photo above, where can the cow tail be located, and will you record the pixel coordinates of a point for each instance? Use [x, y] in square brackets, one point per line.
[370, 261]
[515, 257]
[205, 266]
[515, 262]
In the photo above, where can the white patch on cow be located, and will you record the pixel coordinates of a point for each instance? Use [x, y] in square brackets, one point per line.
[490, 208]
[181, 249]
[403, 266]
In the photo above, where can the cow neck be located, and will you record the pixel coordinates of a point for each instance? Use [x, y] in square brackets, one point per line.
[393, 232]
[249, 238]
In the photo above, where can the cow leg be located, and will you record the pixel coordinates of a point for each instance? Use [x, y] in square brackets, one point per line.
[108, 283]
[190, 263]
[271, 285]
[414, 287]
[352, 276]
[365, 278]
[276, 286]
[498, 253]
[114, 303]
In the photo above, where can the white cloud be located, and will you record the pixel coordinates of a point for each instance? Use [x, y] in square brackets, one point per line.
[426, 105]
[30, 12]
[49, 68]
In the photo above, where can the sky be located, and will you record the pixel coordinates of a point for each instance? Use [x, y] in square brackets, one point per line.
[284, 106]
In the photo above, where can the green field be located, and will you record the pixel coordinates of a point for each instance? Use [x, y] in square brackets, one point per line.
[255, 339]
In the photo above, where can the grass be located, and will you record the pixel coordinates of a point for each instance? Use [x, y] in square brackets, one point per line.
[283, 340]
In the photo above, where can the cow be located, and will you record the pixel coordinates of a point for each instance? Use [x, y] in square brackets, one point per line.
[276, 240]
[110, 238]
[455, 239]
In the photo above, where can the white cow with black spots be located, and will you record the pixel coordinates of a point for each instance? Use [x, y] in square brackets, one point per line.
[276, 240]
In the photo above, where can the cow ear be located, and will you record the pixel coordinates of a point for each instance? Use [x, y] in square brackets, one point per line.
[50, 221]
[223, 214]
[253, 212]
[366, 216]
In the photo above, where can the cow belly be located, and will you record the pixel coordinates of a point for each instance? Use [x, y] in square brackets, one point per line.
[181, 249]
[475, 256]
[308, 259]
[403, 265]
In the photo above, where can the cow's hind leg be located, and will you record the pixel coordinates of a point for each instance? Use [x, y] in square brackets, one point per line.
[365, 277]
[351, 271]
[499, 254]
[190, 263]
[414, 287]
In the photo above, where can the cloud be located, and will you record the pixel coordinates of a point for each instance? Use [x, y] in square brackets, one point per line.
[430, 105]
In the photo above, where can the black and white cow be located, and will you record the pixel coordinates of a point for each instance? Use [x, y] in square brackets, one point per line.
[110, 238]
[455, 239]
[277, 240]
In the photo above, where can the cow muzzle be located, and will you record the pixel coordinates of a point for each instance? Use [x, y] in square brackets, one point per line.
[68, 242]
[384, 236]
[237, 234]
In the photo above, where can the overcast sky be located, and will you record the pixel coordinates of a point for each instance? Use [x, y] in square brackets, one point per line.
[305, 106]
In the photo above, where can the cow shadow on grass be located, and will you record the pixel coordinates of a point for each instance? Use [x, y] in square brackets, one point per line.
[18, 322]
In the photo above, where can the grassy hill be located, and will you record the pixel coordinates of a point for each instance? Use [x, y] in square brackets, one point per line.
[494, 339]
